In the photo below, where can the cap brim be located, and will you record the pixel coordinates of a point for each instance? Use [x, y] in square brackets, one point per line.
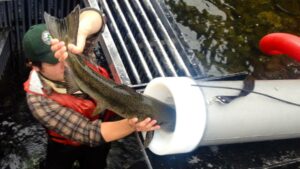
[49, 58]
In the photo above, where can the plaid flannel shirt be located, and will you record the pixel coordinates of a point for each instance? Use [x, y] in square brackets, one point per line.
[65, 121]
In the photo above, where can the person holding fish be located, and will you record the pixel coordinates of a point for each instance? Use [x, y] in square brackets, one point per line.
[74, 132]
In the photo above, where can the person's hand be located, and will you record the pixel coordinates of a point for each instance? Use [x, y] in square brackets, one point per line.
[146, 125]
[90, 22]
[60, 50]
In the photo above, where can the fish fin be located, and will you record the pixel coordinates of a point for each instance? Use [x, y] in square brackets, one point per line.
[66, 28]
[71, 85]
[148, 138]
[99, 108]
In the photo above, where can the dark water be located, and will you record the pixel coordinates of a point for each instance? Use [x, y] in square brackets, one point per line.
[224, 35]
[22, 139]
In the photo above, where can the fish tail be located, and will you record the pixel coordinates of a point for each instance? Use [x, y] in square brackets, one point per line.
[64, 29]
[148, 138]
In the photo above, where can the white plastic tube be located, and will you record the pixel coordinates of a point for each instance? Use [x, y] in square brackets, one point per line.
[201, 120]
[190, 115]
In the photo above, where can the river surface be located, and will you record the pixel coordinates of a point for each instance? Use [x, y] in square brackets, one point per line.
[224, 35]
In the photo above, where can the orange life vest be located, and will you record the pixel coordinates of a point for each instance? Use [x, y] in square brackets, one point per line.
[80, 105]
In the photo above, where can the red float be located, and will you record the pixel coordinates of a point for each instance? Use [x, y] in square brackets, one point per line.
[281, 43]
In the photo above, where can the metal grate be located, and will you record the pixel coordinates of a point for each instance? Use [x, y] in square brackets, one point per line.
[19, 15]
[142, 41]
[16, 18]
[4, 51]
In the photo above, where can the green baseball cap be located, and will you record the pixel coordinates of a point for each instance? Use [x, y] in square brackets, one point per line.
[36, 44]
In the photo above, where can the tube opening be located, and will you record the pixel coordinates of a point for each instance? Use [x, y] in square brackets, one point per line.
[190, 109]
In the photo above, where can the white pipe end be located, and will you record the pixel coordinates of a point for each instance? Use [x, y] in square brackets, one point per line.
[190, 114]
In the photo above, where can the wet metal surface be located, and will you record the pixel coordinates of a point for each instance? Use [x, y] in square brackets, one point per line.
[146, 42]
[271, 154]
[5, 50]
[18, 15]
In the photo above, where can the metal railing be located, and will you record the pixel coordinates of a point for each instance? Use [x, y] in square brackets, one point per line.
[5, 51]
[142, 41]
[16, 16]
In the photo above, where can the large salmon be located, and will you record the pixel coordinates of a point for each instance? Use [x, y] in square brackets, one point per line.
[108, 95]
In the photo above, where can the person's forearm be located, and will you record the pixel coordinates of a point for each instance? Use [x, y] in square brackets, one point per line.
[90, 22]
[115, 130]
[72, 125]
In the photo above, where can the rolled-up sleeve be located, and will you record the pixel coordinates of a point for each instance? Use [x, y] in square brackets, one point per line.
[65, 121]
